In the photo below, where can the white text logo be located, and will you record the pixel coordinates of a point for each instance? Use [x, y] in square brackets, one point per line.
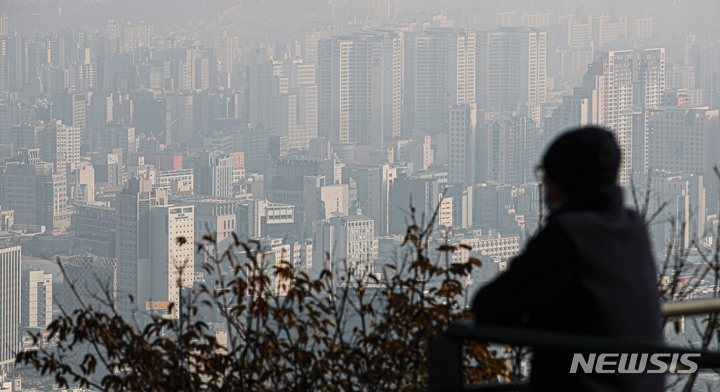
[634, 363]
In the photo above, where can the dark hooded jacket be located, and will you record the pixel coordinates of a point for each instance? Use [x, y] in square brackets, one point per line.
[589, 271]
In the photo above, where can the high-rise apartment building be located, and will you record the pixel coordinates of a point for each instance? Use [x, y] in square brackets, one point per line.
[133, 243]
[643, 29]
[4, 29]
[462, 152]
[511, 68]
[124, 38]
[62, 147]
[621, 87]
[10, 306]
[359, 88]
[608, 31]
[439, 72]
[648, 92]
[17, 55]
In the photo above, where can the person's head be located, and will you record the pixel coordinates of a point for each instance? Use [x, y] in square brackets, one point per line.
[579, 163]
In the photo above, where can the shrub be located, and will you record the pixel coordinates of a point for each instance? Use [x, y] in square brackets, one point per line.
[324, 333]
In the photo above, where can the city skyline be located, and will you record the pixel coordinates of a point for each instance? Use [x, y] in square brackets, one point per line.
[313, 127]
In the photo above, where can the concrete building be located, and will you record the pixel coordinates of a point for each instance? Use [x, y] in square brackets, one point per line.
[115, 135]
[648, 92]
[261, 218]
[172, 260]
[62, 147]
[439, 72]
[373, 185]
[510, 150]
[422, 192]
[618, 90]
[10, 306]
[213, 175]
[685, 140]
[215, 217]
[345, 245]
[282, 97]
[133, 242]
[175, 115]
[37, 297]
[81, 183]
[511, 68]
[681, 139]
[38, 196]
[462, 152]
[178, 181]
[323, 201]
[90, 229]
[359, 88]
[23, 135]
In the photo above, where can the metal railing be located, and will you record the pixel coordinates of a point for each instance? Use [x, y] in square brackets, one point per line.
[445, 355]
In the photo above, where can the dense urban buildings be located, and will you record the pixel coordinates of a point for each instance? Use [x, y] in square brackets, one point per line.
[128, 140]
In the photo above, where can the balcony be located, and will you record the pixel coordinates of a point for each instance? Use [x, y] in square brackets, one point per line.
[445, 354]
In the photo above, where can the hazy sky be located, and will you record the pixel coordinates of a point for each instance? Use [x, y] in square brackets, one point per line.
[284, 17]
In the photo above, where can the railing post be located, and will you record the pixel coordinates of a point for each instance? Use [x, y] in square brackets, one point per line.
[445, 364]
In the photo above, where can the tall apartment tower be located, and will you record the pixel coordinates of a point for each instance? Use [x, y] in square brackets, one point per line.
[62, 147]
[214, 175]
[10, 306]
[359, 88]
[622, 86]
[133, 243]
[648, 90]
[461, 145]
[17, 56]
[172, 261]
[609, 84]
[439, 72]
[37, 297]
[4, 28]
[511, 68]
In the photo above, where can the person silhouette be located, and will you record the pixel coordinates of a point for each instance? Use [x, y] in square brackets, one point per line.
[588, 271]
